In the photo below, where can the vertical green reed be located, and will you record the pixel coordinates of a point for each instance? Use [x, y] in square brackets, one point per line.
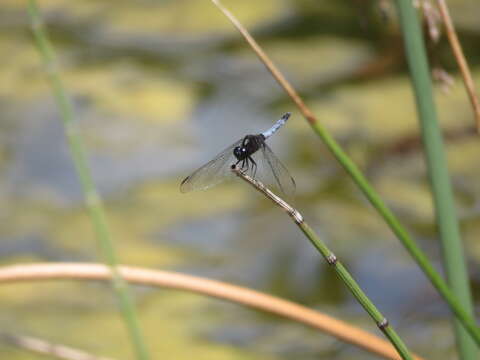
[92, 199]
[437, 170]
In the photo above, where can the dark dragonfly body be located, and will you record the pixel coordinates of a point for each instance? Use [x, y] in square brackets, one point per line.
[246, 152]
[250, 145]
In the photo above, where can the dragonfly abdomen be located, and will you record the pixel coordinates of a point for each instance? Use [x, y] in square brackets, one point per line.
[276, 126]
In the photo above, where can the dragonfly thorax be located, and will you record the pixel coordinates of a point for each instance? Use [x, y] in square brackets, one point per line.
[250, 145]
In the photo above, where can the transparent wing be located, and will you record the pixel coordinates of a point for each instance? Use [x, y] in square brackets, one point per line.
[213, 172]
[272, 172]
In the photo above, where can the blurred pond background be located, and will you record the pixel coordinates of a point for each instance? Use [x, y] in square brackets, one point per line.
[159, 88]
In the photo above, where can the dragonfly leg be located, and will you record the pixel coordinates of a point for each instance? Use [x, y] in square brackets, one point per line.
[254, 166]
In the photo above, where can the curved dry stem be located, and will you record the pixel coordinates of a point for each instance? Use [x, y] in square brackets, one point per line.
[218, 289]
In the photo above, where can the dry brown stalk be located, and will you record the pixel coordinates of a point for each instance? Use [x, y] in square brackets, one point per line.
[218, 289]
[462, 62]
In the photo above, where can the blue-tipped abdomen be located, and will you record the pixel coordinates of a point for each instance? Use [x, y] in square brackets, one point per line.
[276, 126]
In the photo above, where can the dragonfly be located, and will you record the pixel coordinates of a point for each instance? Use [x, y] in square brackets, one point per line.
[250, 154]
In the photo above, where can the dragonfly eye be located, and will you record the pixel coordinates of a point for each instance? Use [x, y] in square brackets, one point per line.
[240, 152]
[237, 152]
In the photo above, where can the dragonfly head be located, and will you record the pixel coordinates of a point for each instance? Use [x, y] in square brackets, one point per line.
[240, 152]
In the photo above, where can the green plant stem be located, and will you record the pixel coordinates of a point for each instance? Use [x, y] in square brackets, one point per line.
[437, 170]
[357, 292]
[400, 232]
[92, 199]
[332, 260]
[360, 180]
